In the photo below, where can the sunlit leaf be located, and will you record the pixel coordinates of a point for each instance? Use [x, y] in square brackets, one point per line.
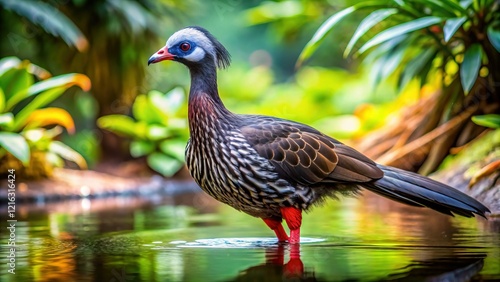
[164, 164]
[2, 100]
[491, 120]
[494, 37]
[451, 26]
[65, 80]
[48, 90]
[370, 21]
[139, 148]
[399, 30]
[174, 148]
[16, 145]
[50, 19]
[67, 153]
[50, 116]
[157, 132]
[470, 67]
[144, 110]
[6, 119]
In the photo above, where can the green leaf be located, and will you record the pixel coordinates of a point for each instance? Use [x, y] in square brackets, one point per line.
[52, 88]
[144, 110]
[15, 83]
[123, 125]
[67, 153]
[415, 66]
[451, 26]
[139, 148]
[470, 67]
[399, 30]
[320, 34]
[370, 21]
[50, 19]
[15, 144]
[164, 164]
[491, 120]
[174, 148]
[323, 30]
[494, 37]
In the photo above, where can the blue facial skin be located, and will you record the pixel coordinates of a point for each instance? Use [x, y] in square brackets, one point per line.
[178, 52]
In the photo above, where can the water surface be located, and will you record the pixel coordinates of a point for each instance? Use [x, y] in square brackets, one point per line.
[189, 237]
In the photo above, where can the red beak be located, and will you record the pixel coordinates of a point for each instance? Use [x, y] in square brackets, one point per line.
[161, 55]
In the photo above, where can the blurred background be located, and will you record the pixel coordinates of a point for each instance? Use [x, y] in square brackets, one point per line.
[412, 84]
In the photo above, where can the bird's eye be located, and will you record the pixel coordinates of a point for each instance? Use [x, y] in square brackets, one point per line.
[185, 46]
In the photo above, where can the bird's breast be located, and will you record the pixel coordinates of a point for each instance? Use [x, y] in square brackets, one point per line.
[225, 166]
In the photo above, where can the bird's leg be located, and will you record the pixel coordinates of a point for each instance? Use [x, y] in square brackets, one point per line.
[276, 226]
[293, 218]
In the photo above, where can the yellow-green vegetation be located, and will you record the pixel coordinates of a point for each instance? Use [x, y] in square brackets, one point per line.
[28, 129]
[158, 129]
[459, 42]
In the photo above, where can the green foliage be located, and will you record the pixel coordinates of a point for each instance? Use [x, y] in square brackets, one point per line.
[491, 120]
[157, 129]
[421, 37]
[49, 18]
[24, 115]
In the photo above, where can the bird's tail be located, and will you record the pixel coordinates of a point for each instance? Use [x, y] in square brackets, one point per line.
[417, 190]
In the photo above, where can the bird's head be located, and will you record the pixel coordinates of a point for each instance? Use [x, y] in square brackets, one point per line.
[193, 46]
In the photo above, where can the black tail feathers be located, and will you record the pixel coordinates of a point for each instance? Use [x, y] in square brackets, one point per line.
[417, 190]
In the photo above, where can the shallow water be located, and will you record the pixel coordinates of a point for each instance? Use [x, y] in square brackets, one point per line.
[192, 238]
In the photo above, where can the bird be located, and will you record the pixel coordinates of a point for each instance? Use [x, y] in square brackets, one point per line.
[276, 169]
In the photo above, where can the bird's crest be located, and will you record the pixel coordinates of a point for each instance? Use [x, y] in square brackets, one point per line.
[222, 56]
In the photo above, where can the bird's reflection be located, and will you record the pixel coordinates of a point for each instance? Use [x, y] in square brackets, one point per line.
[275, 268]
[436, 269]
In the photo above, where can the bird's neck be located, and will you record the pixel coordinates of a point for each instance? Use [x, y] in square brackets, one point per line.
[205, 105]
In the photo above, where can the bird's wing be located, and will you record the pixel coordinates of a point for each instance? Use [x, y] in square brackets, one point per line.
[306, 156]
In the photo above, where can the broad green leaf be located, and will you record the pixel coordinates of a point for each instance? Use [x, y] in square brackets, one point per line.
[170, 102]
[491, 120]
[399, 30]
[15, 84]
[139, 148]
[494, 37]
[15, 144]
[123, 125]
[158, 132]
[451, 26]
[323, 30]
[67, 153]
[6, 119]
[470, 67]
[144, 110]
[370, 21]
[414, 67]
[174, 148]
[164, 164]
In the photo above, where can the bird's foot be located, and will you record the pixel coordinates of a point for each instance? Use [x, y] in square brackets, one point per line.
[278, 229]
[293, 218]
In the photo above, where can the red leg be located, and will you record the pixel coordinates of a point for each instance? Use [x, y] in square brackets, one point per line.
[293, 218]
[277, 228]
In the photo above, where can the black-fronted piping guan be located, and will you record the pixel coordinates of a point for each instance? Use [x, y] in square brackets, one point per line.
[273, 168]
